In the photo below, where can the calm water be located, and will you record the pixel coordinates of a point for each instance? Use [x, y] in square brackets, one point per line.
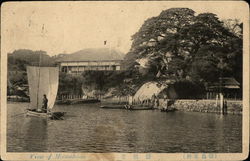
[88, 128]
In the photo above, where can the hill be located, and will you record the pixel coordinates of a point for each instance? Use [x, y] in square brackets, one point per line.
[92, 54]
[19, 59]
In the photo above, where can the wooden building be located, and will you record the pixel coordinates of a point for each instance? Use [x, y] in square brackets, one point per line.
[230, 88]
[91, 59]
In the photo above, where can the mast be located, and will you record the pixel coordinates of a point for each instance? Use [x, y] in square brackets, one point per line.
[37, 97]
[49, 88]
[38, 85]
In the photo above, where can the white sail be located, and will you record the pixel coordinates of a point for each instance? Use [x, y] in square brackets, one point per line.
[42, 80]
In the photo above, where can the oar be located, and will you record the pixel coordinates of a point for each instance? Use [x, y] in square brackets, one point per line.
[18, 114]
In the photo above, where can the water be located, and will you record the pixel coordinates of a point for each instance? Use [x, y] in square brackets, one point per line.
[88, 128]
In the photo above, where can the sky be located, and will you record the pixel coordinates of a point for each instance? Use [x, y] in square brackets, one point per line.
[66, 27]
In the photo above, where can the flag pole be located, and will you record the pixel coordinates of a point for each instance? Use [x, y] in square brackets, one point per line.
[109, 45]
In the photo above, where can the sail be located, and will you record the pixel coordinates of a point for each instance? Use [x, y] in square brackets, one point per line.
[42, 80]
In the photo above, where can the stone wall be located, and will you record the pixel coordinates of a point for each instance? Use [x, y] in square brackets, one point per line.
[233, 107]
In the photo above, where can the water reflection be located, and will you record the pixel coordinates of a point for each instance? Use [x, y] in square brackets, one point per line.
[35, 134]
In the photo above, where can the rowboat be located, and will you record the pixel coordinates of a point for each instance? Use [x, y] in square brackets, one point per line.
[113, 106]
[77, 101]
[168, 110]
[138, 107]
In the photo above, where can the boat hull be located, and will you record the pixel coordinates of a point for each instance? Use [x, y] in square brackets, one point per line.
[37, 114]
[77, 101]
[113, 106]
[169, 110]
[139, 108]
[52, 115]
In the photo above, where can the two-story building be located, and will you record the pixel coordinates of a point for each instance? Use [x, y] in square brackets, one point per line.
[91, 59]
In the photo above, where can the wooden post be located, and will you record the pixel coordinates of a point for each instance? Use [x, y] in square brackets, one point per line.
[217, 98]
[225, 107]
[221, 103]
[77, 68]
[67, 68]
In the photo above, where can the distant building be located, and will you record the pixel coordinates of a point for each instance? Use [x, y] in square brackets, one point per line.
[91, 59]
[228, 86]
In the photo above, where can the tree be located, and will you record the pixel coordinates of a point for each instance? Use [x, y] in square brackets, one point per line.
[70, 84]
[234, 26]
[19, 59]
[159, 35]
[179, 45]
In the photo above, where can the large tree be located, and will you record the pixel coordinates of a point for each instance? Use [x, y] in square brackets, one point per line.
[159, 35]
[179, 44]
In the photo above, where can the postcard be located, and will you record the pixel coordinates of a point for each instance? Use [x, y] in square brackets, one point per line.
[125, 80]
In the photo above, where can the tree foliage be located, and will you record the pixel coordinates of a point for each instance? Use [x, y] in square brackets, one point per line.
[70, 84]
[19, 59]
[180, 45]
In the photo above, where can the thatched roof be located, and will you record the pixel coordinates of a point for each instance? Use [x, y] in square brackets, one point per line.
[225, 82]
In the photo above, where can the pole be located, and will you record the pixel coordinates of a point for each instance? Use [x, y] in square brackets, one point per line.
[37, 97]
[217, 100]
[221, 103]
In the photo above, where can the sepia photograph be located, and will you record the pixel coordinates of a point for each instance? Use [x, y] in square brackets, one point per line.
[125, 80]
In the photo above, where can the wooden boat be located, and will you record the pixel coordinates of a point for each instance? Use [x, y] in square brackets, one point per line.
[168, 110]
[88, 100]
[34, 112]
[51, 115]
[139, 107]
[113, 106]
[43, 81]
[77, 101]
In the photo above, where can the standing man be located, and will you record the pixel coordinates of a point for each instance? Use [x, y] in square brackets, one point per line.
[153, 100]
[45, 103]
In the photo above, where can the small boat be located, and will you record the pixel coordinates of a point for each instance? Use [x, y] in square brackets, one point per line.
[77, 101]
[43, 81]
[51, 115]
[34, 112]
[138, 107]
[113, 106]
[168, 110]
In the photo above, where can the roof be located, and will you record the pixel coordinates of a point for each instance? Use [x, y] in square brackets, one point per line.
[226, 82]
[229, 81]
[93, 54]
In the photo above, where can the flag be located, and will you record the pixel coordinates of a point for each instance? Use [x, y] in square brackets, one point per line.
[105, 42]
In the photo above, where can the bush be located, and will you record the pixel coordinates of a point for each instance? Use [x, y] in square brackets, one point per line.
[189, 90]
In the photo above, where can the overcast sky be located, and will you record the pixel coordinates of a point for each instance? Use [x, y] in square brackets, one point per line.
[66, 27]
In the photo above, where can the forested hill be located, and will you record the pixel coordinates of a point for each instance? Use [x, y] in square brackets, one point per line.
[19, 59]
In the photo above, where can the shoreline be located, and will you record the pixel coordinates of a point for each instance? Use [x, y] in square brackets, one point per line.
[191, 105]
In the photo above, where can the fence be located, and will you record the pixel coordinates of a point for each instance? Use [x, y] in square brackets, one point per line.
[229, 96]
[69, 97]
[116, 100]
